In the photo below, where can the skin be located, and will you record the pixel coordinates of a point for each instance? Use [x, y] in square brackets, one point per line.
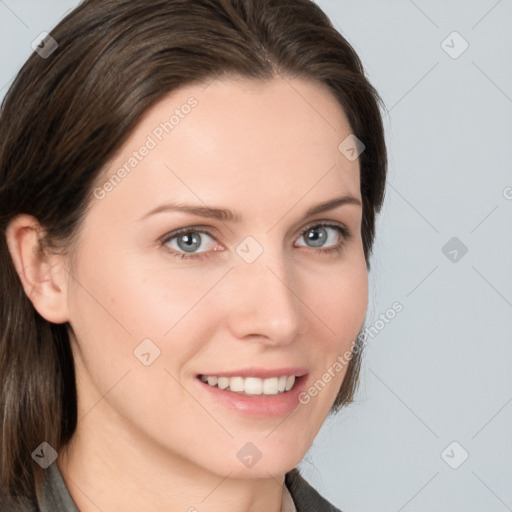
[148, 437]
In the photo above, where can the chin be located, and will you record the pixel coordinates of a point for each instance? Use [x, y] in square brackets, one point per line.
[262, 469]
[248, 461]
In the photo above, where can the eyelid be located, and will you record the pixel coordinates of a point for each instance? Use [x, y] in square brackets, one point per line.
[171, 235]
[344, 230]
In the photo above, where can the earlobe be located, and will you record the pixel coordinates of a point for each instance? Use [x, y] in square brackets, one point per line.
[42, 274]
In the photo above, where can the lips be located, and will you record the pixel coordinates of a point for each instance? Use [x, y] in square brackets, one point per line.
[261, 400]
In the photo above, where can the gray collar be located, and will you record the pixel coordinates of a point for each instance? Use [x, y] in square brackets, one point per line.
[56, 497]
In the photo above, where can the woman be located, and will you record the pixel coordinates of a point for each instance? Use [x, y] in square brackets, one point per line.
[188, 199]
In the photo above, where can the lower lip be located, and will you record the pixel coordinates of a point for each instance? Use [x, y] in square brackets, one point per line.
[261, 406]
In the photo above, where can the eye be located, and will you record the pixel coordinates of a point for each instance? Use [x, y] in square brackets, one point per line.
[187, 241]
[327, 237]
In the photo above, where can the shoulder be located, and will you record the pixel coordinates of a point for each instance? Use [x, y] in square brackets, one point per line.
[305, 497]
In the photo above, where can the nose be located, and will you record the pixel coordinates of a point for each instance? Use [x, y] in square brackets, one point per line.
[265, 305]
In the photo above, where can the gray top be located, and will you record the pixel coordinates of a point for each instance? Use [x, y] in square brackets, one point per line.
[56, 494]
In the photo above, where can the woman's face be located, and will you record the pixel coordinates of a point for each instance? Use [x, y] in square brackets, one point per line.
[254, 290]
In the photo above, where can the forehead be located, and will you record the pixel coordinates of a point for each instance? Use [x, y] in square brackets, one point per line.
[235, 142]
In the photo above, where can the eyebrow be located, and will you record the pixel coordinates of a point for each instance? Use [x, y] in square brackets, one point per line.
[224, 214]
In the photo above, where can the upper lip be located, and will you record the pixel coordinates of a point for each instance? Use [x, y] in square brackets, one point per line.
[262, 373]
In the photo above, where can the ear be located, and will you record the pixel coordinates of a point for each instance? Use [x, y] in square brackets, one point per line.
[43, 276]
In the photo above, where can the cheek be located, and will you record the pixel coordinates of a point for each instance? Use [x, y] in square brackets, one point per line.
[341, 303]
[341, 307]
[132, 297]
[135, 334]
[125, 308]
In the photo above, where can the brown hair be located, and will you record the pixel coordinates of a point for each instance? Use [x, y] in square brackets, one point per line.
[66, 115]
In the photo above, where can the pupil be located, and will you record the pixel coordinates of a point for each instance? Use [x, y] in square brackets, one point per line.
[189, 243]
[317, 236]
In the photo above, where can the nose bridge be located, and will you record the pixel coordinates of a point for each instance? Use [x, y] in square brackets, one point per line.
[267, 304]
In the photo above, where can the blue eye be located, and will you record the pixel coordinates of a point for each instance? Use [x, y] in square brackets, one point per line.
[186, 242]
[324, 234]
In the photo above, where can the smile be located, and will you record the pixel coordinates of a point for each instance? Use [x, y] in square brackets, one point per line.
[251, 385]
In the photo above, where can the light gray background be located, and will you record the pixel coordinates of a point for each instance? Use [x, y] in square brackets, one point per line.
[440, 370]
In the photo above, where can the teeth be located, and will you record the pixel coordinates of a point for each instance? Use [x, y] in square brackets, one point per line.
[223, 382]
[252, 385]
[236, 384]
[270, 386]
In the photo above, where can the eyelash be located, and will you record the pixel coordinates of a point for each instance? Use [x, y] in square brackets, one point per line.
[336, 249]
